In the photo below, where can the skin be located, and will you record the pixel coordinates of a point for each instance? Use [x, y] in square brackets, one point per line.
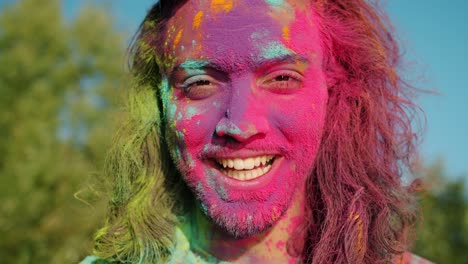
[244, 79]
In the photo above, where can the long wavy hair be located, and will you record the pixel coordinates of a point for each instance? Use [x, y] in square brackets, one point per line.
[357, 208]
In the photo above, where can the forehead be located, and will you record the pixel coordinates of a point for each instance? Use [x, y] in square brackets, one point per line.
[241, 32]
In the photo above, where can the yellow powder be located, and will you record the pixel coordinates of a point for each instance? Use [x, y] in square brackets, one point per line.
[286, 34]
[197, 20]
[178, 37]
[221, 5]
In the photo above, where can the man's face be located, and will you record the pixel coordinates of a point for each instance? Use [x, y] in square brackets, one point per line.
[244, 98]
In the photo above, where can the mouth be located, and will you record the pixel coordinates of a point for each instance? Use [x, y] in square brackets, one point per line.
[245, 169]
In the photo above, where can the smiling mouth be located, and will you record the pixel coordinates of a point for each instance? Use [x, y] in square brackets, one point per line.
[245, 169]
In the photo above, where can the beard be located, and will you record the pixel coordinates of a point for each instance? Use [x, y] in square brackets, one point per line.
[243, 218]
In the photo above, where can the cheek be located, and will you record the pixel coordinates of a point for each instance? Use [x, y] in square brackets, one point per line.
[193, 123]
[301, 119]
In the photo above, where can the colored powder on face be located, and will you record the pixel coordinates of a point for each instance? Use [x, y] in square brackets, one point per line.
[211, 179]
[222, 192]
[273, 50]
[166, 98]
[180, 135]
[275, 2]
[193, 67]
[286, 34]
[190, 160]
[221, 5]
[191, 111]
[178, 37]
[197, 19]
[228, 128]
[259, 35]
[178, 155]
[199, 187]
[193, 64]
[217, 105]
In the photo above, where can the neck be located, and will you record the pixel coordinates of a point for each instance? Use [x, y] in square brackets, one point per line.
[271, 246]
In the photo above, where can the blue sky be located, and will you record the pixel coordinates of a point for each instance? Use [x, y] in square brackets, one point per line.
[434, 37]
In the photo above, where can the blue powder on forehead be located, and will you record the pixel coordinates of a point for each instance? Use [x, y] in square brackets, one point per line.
[194, 67]
[273, 50]
[275, 2]
[193, 64]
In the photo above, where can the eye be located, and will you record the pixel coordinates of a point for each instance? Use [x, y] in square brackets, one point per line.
[280, 80]
[199, 87]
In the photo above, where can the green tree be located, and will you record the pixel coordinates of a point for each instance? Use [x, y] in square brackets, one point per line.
[58, 87]
[443, 233]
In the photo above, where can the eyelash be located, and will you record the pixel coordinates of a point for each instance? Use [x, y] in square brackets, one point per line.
[202, 86]
[193, 90]
[270, 79]
[189, 82]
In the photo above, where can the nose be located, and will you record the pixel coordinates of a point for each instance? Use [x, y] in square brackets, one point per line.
[245, 114]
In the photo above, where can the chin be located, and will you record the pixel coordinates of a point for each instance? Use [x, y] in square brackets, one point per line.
[243, 219]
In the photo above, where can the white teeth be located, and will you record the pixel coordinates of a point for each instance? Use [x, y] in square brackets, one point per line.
[241, 175]
[249, 164]
[238, 164]
[246, 169]
[245, 164]
[257, 162]
[247, 175]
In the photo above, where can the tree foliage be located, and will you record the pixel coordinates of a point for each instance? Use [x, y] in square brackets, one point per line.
[58, 81]
[442, 235]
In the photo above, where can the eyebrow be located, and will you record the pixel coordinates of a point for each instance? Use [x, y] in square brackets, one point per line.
[222, 65]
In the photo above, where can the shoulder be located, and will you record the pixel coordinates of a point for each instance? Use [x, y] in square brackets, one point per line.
[409, 258]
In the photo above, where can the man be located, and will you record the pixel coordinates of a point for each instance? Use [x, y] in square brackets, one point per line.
[262, 131]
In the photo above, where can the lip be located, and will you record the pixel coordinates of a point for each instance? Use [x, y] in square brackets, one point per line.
[248, 185]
